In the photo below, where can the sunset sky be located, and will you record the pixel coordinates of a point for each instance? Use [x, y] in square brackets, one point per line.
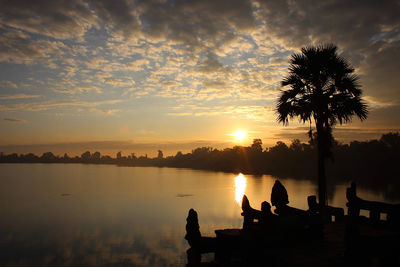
[138, 76]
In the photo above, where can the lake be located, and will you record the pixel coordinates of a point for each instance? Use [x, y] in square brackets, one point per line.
[105, 215]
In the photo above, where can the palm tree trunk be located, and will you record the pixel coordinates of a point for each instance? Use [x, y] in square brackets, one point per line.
[321, 165]
[321, 177]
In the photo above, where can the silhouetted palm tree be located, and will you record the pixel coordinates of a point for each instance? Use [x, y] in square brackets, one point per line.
[323, 89]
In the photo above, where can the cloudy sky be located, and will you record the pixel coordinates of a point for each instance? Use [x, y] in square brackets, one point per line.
[173, 74]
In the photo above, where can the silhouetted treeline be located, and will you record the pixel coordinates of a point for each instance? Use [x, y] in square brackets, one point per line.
[373, 162]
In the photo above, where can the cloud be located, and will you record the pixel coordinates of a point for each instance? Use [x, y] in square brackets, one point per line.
[195, 24]
[371, 45]
[17, 96]
[14, 120]
[95, 63]
[88, 88]
[54, 104]
[248, 112]
[379, 75]
[278, 61]
[374, 103]
[211, 64]
[120, 82]
[7, 85]
[118, 16]
[105, 111]
[138, 65]
[300, 23]
[344, 134]
[65, 90]
[57, 19]
[214, 53]
[18, 47]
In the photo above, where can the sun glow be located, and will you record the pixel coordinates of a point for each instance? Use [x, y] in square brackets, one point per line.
[240, 187]
[239, 135]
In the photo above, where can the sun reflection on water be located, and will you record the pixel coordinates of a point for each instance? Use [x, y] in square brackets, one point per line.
[240, 187]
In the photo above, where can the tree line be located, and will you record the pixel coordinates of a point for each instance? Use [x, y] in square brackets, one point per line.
[373, 161]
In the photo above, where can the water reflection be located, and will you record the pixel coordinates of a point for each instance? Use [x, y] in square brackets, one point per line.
[131, 216]
[240, 187]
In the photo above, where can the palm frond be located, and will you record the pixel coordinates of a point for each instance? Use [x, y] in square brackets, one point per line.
[321, 84]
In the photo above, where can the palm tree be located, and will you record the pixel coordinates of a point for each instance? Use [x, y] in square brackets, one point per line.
[322, 88]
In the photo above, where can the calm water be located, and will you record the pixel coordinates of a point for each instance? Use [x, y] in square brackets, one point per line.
[91, 215]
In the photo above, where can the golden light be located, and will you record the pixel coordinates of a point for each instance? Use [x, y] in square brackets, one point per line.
[240, 187]
[239, 135]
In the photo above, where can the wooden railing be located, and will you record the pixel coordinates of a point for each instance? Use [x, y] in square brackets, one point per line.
[356, 204]
[326, 212]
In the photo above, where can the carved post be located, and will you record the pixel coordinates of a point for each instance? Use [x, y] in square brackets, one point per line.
[193, 257]
[353, 205]
[193, 235]
[247, 218]
[352, 230]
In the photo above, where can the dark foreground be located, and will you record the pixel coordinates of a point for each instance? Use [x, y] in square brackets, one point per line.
[294, 237]
[377, 247]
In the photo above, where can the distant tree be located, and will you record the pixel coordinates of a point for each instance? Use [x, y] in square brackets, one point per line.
[96, 155]
[48, 156]
[280, 147]
[86, 155]
[106, 158]
[30, 157]
[324, 89]
[391, 140]
[160, 154]
[296, 145]
[201, 151]
[257, 145]
[119, 155]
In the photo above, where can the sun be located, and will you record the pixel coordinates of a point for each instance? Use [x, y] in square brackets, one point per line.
[239, 135]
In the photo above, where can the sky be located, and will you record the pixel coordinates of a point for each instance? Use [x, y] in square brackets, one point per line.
[138, 76]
